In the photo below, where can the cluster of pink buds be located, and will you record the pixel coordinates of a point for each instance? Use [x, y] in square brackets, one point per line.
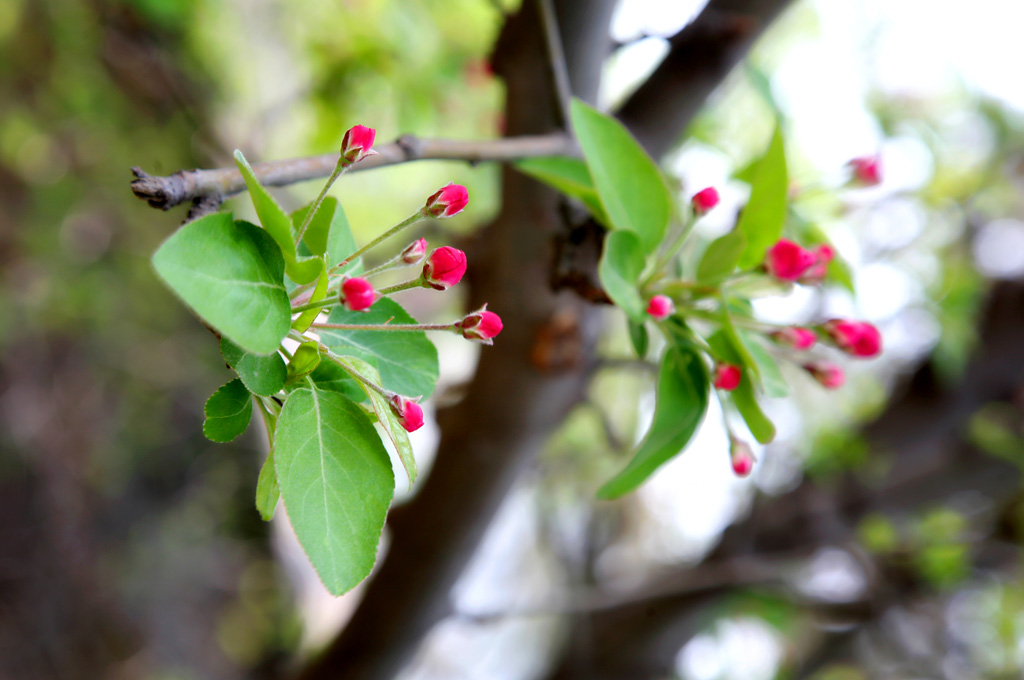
[789, 261]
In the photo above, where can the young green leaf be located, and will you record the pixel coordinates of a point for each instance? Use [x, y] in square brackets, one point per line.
[682, 399]
[262, 374]
[639, 338]
[774, 384]
[336, 481]
[333, 378]
[386, 417]
[765, 213]
[407, 361]
[319, 229]
[302, 323]
[629, 183]
[569, 176]
[721, 257]
[277, 223]
[621, 264]
[231, 274]
[267, 490]
[228, 412]
[304, 361]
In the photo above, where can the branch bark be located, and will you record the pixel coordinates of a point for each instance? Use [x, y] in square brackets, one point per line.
[214, 185]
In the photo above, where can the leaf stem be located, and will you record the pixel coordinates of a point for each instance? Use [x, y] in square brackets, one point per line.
[389, 327]
[405, 285]
[387, 394]
[319, 304]
[411, 219]
[338, 169]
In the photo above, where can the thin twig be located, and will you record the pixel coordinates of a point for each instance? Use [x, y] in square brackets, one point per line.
[556, 57]
[187, 185]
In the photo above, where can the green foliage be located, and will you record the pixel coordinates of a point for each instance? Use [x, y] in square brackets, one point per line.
[682, 399]
[264, 375]
[772, 380]
[721, 257]
[407, 361]
[268, 493]
[231, 274]
[278, 224]
[639, 338]
[386, 417]
[743, 396]
[878, 534]
[765, 213]
[621, 264]
[303, 362]
[303, 322]
[568, 175]
[629, 183]
[336, 481]
[228, 412]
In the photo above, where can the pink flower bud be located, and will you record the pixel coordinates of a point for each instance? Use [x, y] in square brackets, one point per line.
[661, 307]
[481, 325]
[727, 376]
[857, 338]
[816, 274]
[357, 144]
[741, 457]
[444, 268]
[867, 170]
[796, 337]
[410, 414]
[704, 200]
[447, 201]
[414, 252]
[826, 373]
[787, 261]
[357, 294]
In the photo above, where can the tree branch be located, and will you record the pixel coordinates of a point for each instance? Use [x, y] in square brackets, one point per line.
[204, 185]
[699, 58]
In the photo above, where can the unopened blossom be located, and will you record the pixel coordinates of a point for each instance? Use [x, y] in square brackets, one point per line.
[409, 413]
[788, 261]
[481, 326]
[357, 144]
[446, 201]
[357, 294]
[741, 457]
[795, 337]
[867, 170]
[824, 254]
[704, 200]
[856, 338]
[826, 373]
[661, 307]
[727, 376]
[444, 268]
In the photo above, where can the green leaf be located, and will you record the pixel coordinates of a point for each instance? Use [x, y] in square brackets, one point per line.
[231, 274]
[407, 361]
[629, 183]
[682, 399]
[336, 482]
[621, 264]
[741, 353]
[341, 243]
[386, 417]
[306, 318]
[743, 396]
[765, 213]
[278, 224]
[568, 175]
[721, 257]
[319, 230]
[228, 412]
[774, 384]
[267, 490]
[639, 338]
[332, 377]
[262, 374]
[304, 361]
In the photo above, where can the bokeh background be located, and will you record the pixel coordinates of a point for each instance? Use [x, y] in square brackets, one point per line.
[879, 536]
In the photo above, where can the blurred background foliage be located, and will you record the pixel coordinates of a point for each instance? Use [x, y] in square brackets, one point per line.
[111, 497]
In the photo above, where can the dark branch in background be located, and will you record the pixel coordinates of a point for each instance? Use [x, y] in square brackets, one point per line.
[215, 185]
[699, 58]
